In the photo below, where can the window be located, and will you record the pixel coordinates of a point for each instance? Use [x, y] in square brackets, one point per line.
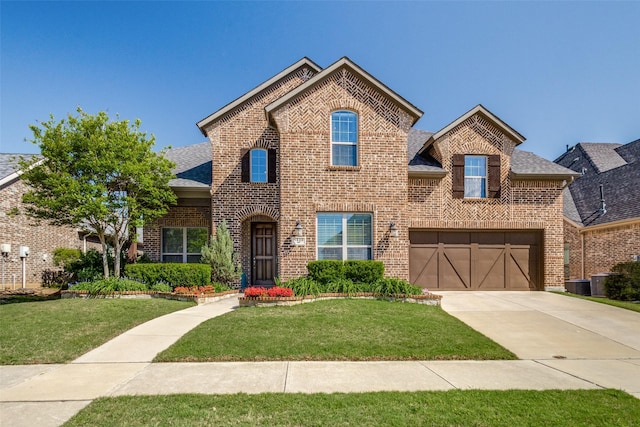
[345, 236]
[344, 138]
[475, 176]
[183, 244]
[258, 159]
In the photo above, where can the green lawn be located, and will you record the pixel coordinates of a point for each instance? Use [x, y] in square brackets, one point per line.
[628, 305]
[449, 408]
[349, 329]
[58, 331]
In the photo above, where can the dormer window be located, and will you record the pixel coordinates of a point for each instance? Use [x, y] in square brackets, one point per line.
[476, 176]
[344, 138]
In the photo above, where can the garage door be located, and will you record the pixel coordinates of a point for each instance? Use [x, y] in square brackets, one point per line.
[457, 260]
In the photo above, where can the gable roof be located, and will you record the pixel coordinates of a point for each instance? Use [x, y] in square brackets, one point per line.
[9, 168]
[193, 166]
[526, 165]
[617, 168]
[304, 62]
[478, 109]
[422, 166]
[345, 62]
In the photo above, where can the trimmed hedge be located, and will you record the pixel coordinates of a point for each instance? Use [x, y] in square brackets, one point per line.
[327, 271]
[174, 274]
[625, 285]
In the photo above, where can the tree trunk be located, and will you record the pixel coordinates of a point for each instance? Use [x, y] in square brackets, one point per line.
[105, 257]
[117, 248]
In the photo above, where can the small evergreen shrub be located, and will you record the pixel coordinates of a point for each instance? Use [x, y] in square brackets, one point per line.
[161, 287]
[364, 271]
[218, 253]
[326, 271]
[64, 257]
[625, 285]
[174, 274]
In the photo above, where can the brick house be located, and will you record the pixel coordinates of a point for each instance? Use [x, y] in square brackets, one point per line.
[601, 228]
[16, 229]
[325, 164]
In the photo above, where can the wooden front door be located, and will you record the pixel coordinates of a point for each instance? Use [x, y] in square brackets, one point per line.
[263, 252]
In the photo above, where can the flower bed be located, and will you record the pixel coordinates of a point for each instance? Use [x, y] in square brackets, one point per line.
[197, 297]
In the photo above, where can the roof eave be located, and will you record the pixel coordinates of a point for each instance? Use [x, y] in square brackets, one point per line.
[543, 176]
[428, 174]
[239, 101]
[346, 62]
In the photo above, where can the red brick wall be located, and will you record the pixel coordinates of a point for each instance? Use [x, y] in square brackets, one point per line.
[18, 230]
[573, 240]
[607, 247]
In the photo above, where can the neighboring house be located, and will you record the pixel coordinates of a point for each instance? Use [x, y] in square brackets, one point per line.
[601, 228]
[16, 229]
[325, 164]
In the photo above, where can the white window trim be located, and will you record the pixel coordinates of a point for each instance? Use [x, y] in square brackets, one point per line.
[266, 162]
[485, 177]
[344, 246]
[184, 253]
[343, 142]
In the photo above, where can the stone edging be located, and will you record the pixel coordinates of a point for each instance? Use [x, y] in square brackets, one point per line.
[426, 299]
[197, 298]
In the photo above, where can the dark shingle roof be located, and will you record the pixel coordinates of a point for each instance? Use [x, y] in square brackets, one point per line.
[569, 207]
[193, 165]
[9, 163]
[527, 164]
[417, 162]
[621, 183]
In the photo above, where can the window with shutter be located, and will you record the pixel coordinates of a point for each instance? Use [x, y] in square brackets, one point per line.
[476, 176]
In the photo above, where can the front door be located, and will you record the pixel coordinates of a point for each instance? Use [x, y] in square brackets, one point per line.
[263, 249]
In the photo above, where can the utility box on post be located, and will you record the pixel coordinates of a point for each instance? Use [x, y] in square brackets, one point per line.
[24, 251]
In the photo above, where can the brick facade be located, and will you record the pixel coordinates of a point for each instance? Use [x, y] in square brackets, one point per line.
[18, 230]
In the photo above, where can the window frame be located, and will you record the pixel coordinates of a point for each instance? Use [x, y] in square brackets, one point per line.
[345, 246]
[335, 143]
[185, 244]
[266, 165]
[484, 190]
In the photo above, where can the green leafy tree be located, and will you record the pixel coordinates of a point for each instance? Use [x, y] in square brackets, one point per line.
[219, 254]
[99, 175]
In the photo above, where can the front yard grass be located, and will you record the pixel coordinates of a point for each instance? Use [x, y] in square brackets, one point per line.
[433, 408]
[350, 329]
[628, 305]
[61, 330]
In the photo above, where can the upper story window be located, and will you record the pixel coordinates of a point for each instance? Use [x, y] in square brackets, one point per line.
[344, 138]
[183, 244]
[475, 176]
[345, 236]
[258, 161]
[258, 165]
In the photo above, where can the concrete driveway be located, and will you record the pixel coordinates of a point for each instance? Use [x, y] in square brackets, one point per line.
[589, 340]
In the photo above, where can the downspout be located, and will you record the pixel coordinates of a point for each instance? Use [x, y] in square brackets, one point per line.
[582, 254]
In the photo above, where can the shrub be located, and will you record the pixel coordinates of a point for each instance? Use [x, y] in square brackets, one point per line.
[364, 271]
[220, 287]
[64, 257]
[303, 286]
[326, 271]
[109, 286]
[393, 287]
[360, 271]
[345, 286]
[56, 279]
[276, 291]
[173, 274]
[161, 287]
[218, 253]
[625, 285]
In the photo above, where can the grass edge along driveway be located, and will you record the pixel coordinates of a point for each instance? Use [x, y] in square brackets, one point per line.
[343, 329]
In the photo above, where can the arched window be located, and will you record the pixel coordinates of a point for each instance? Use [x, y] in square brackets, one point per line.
[344, 138]
[258, 160]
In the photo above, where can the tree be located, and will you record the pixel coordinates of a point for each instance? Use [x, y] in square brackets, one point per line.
[219, 254]
[99, 175]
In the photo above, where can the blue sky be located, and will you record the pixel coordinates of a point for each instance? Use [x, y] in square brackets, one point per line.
[557, 72]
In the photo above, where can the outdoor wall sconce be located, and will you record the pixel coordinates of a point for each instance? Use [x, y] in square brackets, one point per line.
[298, 238]
[393, 230]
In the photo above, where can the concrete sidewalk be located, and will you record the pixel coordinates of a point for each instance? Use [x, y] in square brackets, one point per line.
[567, 343]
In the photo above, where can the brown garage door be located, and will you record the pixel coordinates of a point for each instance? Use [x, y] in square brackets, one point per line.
[468, 260]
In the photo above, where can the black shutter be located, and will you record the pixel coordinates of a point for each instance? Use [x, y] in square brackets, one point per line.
[245, 173]
[271, 165]
[494, 176]
[457, 174]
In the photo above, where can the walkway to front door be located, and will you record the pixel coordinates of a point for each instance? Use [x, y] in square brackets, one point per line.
[263, 253]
